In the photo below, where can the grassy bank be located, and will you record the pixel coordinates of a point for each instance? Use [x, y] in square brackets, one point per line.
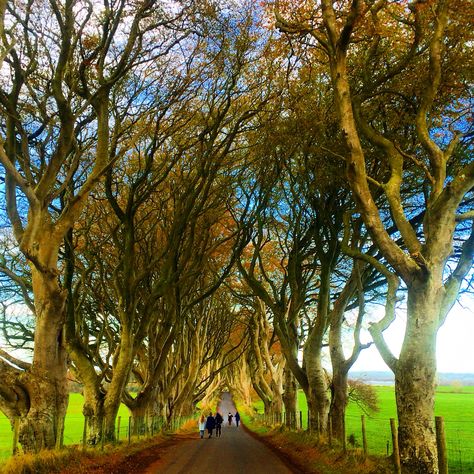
[118, 457]
[75, 460]
[310, 456]
[454, 404]
[73, 428]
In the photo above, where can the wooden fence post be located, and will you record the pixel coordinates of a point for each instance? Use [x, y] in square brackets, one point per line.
[329, 432]
[102, 438]
[344, 441]
[441, 444]
[16, 433]
[396, 453]
[84, 433]
[364, 434]
[59, 433]
[118, 428]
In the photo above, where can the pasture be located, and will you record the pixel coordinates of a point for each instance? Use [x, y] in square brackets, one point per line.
[455, 404]
[73, 428]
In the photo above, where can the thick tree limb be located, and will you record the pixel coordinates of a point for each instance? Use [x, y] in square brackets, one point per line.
[454, 282]
[376, 329]
[14, 361]
[393, 185]
[437, 157]
[466, 216]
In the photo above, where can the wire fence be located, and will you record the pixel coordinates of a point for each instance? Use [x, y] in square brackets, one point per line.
[460, 446]
[458, 436]
[76, 431]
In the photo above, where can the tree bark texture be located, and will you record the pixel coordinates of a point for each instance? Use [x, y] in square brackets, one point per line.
[415, 381]
[415, 370]
[290, 397]
[338, 404]
[122, 369]
[46, 381]
[93, 410]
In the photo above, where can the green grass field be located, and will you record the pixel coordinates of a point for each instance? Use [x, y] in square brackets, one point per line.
[455, 404]
[73, 428]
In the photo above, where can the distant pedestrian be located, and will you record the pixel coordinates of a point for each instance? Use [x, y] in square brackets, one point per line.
[229, 418]
[237, 418]
[210, 424]
[202, 425]
[219, 421]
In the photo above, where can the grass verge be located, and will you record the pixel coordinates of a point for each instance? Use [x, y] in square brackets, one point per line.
[75, 460]
[310, 456]
[119, 458]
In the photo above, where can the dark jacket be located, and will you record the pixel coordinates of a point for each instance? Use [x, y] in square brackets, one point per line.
[219, 419]
[210, 423]
[237, 416]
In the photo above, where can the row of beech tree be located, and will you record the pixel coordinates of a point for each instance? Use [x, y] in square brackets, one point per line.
[211, 194]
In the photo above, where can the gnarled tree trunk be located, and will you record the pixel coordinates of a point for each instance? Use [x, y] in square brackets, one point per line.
[341, 365]
[338, 406]
[317, 392]
[290, 397]
[93, 410]
[318, 397]
[46, 381]
[415, 380]
[121, 372]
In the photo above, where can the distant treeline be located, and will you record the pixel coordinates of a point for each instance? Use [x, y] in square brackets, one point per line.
[380, 377]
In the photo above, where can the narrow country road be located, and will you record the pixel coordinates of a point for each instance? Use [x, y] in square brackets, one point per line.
[235, 452]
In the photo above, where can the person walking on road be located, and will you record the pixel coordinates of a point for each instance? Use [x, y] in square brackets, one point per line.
[229, 418]
[202, 425]
[219, 421]
[210, 424]
[237, 418]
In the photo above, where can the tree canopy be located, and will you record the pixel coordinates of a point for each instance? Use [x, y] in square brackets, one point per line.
[199, 195]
